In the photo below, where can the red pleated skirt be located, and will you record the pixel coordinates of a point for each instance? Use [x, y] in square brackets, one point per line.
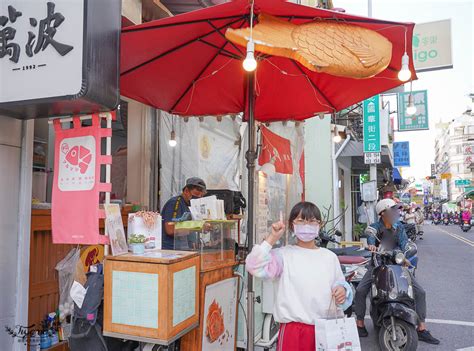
[296, 336]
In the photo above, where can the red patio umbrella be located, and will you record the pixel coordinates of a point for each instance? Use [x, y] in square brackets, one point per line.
[185, 65]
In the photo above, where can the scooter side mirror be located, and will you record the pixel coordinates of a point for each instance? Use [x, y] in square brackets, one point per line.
[411, 251]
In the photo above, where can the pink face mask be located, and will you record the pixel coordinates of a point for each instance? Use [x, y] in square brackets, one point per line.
[306, 232]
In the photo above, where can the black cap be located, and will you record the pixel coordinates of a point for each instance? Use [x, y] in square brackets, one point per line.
[197, 182]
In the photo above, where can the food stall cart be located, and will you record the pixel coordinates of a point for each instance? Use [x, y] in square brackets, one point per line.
[160, 296]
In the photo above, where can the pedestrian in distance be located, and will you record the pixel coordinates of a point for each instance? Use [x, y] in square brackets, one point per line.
[420, 220]
[308, 279]
[410, 216]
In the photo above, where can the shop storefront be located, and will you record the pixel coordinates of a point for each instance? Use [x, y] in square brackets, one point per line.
[113, 156]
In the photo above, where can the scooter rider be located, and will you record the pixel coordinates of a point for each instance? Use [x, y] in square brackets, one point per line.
[391, 234]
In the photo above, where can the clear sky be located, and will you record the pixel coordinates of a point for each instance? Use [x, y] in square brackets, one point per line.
[447, 89]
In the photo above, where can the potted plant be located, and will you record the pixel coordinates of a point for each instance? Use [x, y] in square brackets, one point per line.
[137, 243]
[359, 230]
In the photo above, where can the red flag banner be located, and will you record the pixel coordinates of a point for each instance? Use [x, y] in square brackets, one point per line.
[277, 150]
[76, 188]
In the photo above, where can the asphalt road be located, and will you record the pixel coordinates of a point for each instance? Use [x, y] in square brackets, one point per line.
[446, 271]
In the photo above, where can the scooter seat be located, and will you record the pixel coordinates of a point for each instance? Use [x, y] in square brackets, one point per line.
[351, 259]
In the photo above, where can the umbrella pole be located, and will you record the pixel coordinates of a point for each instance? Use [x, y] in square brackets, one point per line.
[251, 157]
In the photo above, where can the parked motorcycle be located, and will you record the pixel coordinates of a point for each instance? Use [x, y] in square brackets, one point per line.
[436, 221]
[410, 229]
[325, 238]
[392, 301]
[465, 226]
[446, 221]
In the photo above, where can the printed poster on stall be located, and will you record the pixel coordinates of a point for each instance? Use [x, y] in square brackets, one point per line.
[114, 229]
[220, 314]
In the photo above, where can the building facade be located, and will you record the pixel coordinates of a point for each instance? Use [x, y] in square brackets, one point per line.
[454, 154]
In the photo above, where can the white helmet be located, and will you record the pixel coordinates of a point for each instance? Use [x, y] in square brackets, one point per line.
[384, 204]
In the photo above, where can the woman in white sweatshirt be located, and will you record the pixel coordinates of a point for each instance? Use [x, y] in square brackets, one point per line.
[308, 279]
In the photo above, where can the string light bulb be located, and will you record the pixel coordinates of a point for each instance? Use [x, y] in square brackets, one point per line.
[172, 142]
[250, 64]
[405, 74]
[411, 108]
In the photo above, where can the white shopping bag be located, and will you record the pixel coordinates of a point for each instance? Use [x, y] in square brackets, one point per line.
[337, 335]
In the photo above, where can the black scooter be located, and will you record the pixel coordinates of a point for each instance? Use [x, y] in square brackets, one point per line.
[410, 229]
[392, 301]
[465, 226]
[446, 221]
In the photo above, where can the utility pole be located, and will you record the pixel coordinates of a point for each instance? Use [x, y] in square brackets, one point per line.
[373, 167]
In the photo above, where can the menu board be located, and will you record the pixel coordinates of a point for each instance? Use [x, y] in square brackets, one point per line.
[135, 299]
[184, 295]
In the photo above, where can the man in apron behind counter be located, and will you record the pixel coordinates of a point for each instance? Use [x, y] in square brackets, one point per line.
[177, 207]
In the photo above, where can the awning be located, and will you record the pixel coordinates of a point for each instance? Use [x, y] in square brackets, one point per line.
[355, 149]
[469, 194]
[397, 177]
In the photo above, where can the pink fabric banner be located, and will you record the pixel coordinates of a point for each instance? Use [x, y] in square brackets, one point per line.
[76, 188]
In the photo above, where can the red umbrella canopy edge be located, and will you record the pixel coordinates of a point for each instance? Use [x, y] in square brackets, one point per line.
[185, 65]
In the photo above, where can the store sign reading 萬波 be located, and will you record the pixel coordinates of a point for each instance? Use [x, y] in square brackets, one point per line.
[41, 42]
[46, 63]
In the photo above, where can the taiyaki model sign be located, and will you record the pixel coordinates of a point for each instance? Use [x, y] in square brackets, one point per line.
[332, 47]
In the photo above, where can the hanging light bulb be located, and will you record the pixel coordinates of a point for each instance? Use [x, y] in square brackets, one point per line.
[411, 108]
[405, 74]
[250, 64]
[172, 142]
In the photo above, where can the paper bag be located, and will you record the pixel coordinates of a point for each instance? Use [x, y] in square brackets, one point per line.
[337, 335]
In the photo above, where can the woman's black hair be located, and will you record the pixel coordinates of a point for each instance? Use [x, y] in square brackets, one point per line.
[308, 211]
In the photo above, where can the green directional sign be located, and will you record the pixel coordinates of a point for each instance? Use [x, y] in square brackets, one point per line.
[462, 182]
[372, 124]
[417, 121]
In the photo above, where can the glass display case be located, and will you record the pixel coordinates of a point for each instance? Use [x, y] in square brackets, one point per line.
[216, 241]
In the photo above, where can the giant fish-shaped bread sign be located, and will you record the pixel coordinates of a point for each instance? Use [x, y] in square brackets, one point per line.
[332, 47]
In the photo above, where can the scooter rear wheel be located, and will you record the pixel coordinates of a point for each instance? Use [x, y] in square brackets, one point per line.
[407, 337]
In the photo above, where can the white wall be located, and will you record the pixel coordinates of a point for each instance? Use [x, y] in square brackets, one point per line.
[10, 158]
[318, 162]
[138, 153]
[345, 164]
